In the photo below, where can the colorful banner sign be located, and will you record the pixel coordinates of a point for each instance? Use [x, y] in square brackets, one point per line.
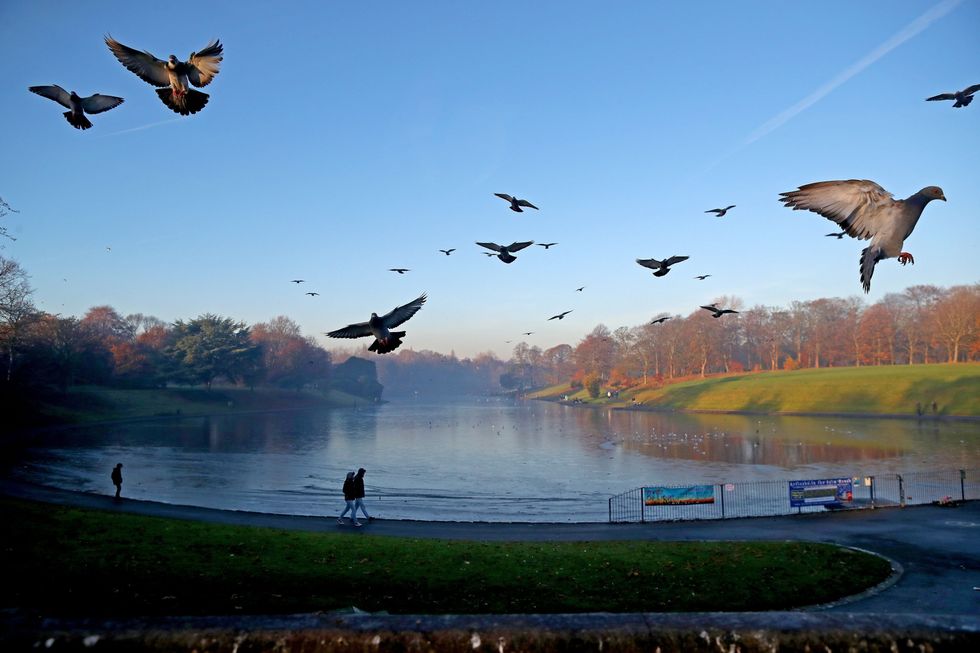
[819, 493]
[678, 496]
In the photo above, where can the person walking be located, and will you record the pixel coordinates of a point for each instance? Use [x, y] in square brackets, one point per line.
[349, 499]
[359, 494]
[117, 478]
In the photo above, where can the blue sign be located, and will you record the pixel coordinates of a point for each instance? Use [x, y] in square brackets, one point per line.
[821, 492]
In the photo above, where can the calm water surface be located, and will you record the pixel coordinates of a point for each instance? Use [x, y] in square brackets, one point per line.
[487, 460]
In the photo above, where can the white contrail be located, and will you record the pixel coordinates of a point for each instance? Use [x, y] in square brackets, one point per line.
[903, 35]
[142, 127]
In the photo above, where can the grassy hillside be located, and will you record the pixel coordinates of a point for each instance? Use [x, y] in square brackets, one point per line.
[893, 390]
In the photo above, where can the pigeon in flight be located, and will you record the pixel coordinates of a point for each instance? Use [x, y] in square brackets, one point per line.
[447, 252]
[864, 210]
[661, 267]
[529, 333]
[702, 277]
[660, 320]
[385, 340]
[77, 106]
[297, 280]
[717, 312]
[173, 77]
[839, 235]
[505, 253]
[720, 212]
[546, 245]
[560, 316]
[963, 98]
[580, 289]
[516, 204]
[312, 294]
[399, 270]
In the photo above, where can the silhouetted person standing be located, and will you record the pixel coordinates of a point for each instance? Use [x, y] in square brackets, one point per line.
[359, 494]
[117, 478]
[349, 500]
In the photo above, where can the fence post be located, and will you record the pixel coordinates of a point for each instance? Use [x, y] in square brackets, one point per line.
[610, 509]
[901, 490]
[721, 490]
[872, 492]
[962, 485]
[643, 510]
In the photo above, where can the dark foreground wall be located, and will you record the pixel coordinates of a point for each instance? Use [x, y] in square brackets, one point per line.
[715, 632]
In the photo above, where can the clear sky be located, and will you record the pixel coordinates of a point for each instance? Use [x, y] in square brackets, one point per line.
[346, 138]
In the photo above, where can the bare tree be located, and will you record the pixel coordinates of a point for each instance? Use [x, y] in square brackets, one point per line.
[5, 210]
[956, 319]
[17, 311]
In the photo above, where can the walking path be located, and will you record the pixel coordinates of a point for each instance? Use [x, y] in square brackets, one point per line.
[938, 548]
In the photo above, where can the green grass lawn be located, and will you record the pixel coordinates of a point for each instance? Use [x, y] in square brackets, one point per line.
[74, 562]
[876, 390]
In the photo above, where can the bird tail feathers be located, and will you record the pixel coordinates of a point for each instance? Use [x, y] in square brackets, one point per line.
[870, 256]
[190, 102]
[389, 344]
[78, 121]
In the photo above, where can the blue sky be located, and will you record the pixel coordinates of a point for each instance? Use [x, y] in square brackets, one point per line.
[343, 139]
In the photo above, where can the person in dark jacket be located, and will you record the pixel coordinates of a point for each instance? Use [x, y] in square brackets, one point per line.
[349, 498]
[117, 478]
[359, 494]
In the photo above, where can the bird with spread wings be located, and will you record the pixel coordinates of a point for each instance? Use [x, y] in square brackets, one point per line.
[385, 340]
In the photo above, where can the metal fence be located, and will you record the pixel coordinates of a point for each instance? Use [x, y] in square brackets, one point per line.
[768, 498]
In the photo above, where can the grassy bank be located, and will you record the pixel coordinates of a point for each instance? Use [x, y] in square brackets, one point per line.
[891, 390]
[86, 404]
[68, 561]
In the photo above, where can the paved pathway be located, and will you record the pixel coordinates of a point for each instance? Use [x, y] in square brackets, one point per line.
[938, 548]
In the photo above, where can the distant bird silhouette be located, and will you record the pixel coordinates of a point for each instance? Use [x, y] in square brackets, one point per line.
[108, 249]
[515, 204]
[297, 280]
[399, 270]
[529, 333]
[864, 210]
[661, 267]
[838, 236]
[312, 294]
[173, 77]
[560, 316]
[720, 212]
[505, 253]
[77, 106]
[546, 245]
[702, 277]
[385, 340]
[580, 289]
[963, 98]
[488, 253]
[447, 252]
[717, 312]
[660, 320]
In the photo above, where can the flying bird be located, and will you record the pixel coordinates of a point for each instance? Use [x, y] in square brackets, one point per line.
[717, 312]
[529, 333]
[864, 210]
[77, 106]
[702, 277]
[385, 340]
[838, 235]
[447, 252]
[297, 280]
[173, 77]
[720, 212]
[963, 98]
[546, 245]
[516, 204]
[580, 289]
[661, 267]
[399, 270]
[312, 294]
[660, 320]
[560, 316]
[505, 254]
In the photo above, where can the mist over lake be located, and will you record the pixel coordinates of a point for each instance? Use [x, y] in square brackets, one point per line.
[475, 459]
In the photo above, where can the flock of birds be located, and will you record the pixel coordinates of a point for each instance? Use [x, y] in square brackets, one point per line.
[861, 208]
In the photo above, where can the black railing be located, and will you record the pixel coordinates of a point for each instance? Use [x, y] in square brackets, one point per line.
[769, 498]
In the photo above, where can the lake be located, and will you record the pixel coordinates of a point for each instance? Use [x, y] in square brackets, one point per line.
[479, 459]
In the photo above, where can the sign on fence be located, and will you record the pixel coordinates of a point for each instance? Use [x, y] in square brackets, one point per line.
[678, 496]
[822, 492]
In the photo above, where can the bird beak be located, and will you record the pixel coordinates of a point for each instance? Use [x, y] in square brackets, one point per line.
[942, 197]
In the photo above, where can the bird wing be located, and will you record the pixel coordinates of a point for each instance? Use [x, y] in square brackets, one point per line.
[516, 247]
[710, 308]
[53, 92]
[651, 263]
[526, 203]
[941, 96]
[675, 259]
[147, 67]
[401, 314]
[494, 246]
[358, 330]
[98, 103]
[504, 196]
[204, 64]
[970, 90]
[713, 211]
[856, 204]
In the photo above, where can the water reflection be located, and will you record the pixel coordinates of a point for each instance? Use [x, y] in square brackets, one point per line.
[478, 459]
